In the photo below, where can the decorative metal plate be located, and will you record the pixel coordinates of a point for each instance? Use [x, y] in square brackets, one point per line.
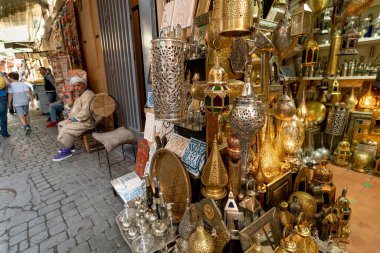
[174, 180]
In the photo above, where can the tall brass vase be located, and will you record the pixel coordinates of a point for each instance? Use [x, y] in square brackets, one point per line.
[333, 54]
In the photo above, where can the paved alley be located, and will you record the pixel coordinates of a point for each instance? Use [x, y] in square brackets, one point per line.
[48, 207]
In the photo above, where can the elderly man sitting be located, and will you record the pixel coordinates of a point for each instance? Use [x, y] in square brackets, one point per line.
[80, 119]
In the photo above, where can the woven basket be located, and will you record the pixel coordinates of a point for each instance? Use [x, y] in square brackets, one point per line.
[103, 105]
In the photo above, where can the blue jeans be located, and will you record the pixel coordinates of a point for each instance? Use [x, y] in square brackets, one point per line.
[52, 96]
[3, 115]
[53, 108]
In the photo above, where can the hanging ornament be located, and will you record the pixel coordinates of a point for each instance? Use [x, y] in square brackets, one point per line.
[301, 20]
[282, 40]
[237, 18]
[285, 108]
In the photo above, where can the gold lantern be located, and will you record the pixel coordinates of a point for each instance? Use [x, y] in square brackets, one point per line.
[301, 20]
[216, 95]
[336, 95]
[201, 241]
[368, 101]
[269, 163]
[293, 134]
[350, 42]
[237, 18]
[352, 100]
[323, 177]
[311, 53]
[342, 154]
[214, 175]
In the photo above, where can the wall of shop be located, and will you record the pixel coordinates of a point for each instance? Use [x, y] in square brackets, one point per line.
[115, 19]
[91, 45]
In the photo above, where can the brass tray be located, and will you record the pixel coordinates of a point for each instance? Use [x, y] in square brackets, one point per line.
[174, 180]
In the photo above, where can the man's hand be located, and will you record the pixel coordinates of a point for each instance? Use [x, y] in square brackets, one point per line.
[32, 104]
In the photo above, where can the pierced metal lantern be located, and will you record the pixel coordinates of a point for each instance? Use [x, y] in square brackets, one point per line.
[247, 118]
[167, 56]
[285, 107]
[216, 95]
[350, 42]
[237, 18]
[310, 53]
[301, 20]
[214, 175]
[281, 38]
[293, 135]
[336, 119]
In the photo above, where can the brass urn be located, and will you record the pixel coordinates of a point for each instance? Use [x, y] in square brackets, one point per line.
[201, 241]
[360, 160]
[214, 175]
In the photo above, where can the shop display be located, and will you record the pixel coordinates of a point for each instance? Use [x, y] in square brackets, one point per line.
[261, 179]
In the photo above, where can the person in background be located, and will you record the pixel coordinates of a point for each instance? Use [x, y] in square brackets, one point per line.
[4, 82]
[49, 84]
[80, 119]
[54, 108]
[21, 94]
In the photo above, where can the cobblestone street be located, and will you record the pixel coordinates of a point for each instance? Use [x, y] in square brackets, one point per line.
[45, 206]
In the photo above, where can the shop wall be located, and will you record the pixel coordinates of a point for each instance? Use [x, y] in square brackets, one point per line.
[115, 18]
[91, 45]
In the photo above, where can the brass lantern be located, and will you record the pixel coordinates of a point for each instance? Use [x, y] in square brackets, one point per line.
[310, 53]
[350, 42]
[216, 95]
[237, 18]
[336, 95]
[214, 175]
[342, 155]
[368, 101]
[293, 134]
[301, 20]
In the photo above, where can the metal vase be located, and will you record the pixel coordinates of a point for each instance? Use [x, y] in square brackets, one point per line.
[247, 118]
[167, 68]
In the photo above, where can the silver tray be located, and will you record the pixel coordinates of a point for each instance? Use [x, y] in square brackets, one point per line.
[159, 243]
